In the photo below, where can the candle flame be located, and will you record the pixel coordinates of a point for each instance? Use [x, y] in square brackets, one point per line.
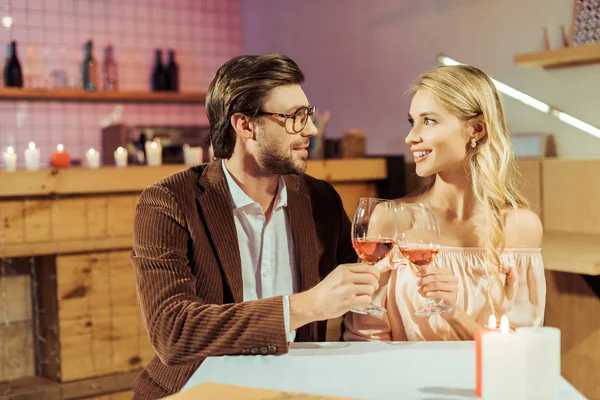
[492, 322]
[120, 150]
[10, 150]
[31, 145]
[154, 145]
[60, 147]
[504, 326]
[92, 152]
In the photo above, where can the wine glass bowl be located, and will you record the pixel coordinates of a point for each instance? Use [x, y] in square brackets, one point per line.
[373, 236]
[418, 240]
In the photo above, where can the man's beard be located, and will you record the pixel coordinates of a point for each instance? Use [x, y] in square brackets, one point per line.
[273, 158]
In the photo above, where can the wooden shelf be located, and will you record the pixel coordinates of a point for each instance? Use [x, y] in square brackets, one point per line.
[82, 95]
[575, 253]
[567, 56]
[109, 179]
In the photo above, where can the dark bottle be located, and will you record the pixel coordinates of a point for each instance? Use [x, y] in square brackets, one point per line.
[90, 68]
[158, 80]
[110, 76]
[172, 73]
[13, 75]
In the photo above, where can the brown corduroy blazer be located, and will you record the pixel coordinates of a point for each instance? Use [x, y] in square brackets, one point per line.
[189, 273]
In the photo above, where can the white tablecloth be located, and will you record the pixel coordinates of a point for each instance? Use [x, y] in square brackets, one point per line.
[399, 370]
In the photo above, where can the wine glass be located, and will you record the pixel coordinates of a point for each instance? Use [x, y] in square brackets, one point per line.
[418, 238]
[373, 236]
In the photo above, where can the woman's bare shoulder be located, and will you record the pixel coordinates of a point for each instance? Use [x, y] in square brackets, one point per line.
[522, 229]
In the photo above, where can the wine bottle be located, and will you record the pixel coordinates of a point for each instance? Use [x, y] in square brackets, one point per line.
[158, 78]
[172, 73]
[90, 68]
[13, 75]
[111, 81]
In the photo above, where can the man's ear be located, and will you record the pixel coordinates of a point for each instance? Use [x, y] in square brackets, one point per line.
[242, 125]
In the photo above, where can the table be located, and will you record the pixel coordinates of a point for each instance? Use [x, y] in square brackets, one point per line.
[365, 370]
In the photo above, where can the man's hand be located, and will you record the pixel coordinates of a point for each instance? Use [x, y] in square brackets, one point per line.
[346, 287]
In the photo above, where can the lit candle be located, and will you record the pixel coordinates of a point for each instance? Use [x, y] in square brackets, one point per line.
[10, 159]
[478, 336]
[503, 364]
[542, 357]
[93, 158]
[60, 158]
[192, 155]
[121, 157]
[153, 153]
[32, 157]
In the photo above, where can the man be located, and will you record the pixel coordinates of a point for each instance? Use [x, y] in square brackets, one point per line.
[240, 256]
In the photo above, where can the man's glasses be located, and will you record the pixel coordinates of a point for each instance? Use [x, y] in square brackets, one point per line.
[299, 118]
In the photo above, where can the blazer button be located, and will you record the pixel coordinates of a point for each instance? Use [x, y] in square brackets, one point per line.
[263, 350]
[254, 350]
[246, 351]
[272, 349]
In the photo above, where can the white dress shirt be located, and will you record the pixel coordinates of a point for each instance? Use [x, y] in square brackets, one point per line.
[266, 248]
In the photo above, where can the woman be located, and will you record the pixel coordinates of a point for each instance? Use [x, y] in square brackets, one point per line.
[490, 258]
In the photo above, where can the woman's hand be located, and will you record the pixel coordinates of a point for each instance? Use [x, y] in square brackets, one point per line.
[439, 283]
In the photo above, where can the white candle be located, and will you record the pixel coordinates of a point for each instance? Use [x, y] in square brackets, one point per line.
[121, 157]
[503, 365]
[192, 155]
[92, 158]
[153, 153]
[542, 357]
[32, 157]
[10, 159]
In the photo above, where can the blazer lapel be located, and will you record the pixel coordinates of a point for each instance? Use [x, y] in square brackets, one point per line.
[216, 211]
[307, 248]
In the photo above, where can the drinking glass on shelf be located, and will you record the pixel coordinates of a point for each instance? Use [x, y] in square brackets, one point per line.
[418, 239]
[373, 236]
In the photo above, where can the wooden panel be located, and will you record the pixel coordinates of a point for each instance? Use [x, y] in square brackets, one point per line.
[69, 219]
[38, 227]
[573, 307]
[16, 350]
[97, 217]
[47, 351]
[136, 178]
[571, 193]
[113, 396]
[31, 388]
[571, 252]
[531, 170]
[12, 217]
[98, 386]
[351, 192]
[72, 246]
[121, 213]
[15, 299]
[100, 327]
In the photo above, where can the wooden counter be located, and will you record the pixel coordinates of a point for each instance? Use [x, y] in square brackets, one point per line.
[65, 244]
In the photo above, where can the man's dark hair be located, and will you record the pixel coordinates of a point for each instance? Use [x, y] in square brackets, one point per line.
[242, 85]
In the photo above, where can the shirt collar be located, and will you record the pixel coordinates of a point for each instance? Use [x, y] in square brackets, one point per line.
[241, 199]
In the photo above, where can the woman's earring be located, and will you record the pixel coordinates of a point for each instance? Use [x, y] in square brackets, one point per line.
[473, 143]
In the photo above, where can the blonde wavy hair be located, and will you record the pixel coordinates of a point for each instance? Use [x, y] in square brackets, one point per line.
[469, 93]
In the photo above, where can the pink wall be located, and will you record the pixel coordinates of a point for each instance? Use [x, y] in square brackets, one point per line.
[204, 33]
